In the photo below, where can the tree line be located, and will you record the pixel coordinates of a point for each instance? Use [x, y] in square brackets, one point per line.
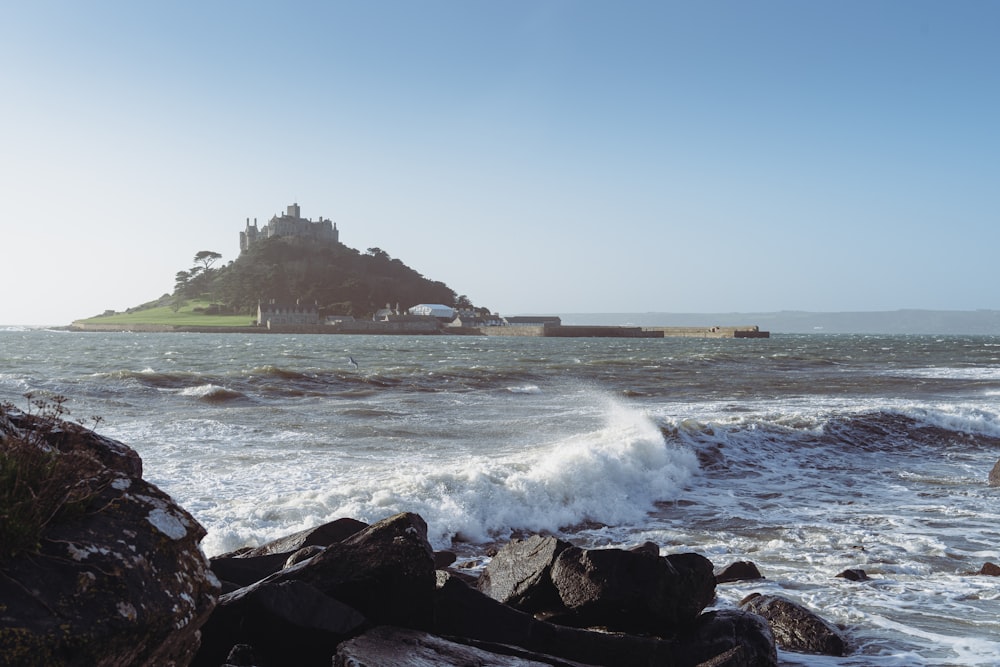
[341, 280]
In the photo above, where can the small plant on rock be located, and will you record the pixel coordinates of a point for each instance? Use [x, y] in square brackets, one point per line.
[43, 479]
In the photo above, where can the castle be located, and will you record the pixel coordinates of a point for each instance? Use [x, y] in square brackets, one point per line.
[290, 224]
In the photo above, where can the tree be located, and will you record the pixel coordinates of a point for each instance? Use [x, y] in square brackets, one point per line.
[207, 258]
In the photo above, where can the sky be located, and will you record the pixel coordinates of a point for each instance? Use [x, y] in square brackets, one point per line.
[543, 156]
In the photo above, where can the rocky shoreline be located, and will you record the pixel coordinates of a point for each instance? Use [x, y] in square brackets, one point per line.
[119, 578]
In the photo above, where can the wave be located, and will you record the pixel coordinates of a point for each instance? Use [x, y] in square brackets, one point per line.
[751, 442]
[211, 393]
[613, 475]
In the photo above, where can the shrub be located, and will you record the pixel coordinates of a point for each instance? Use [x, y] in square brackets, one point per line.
[39, 484]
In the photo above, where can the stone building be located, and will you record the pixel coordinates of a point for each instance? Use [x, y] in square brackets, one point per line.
[290, 224]
[275, 313]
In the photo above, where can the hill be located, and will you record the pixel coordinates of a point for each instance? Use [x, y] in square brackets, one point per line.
[339, 279]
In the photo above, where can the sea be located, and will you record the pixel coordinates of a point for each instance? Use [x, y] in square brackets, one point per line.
[806, 454]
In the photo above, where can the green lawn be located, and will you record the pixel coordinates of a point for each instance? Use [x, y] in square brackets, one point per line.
[165, 316]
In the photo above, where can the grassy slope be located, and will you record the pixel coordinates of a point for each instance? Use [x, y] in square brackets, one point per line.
[165, 316]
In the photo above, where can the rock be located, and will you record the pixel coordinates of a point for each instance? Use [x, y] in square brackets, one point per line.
[728, 638]
[796, 628]
[279, 620]
[242, 655]
[649, 548]
[397, 647]
[990, 569]
[443, 559]
[69, 437]
[742, 570]
[634, 592]
[118, 578]
[386, 572]
[995, 474]
[323, 536]
[854, 575]
[305, 553]
[462, 611]
[238, 571]
[246, 566]
[518, 574]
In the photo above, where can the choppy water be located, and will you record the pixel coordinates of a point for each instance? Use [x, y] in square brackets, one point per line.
[805, 454]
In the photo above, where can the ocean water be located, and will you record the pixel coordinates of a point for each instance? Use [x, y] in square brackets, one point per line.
[806, 454]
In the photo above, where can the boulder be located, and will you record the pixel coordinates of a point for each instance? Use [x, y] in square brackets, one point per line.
[398, 647]
[117, 577]
[741, 570]
[462, 611]
[795, 627]
[281, 621]
[728, 638]
[249, 565]
[386, 572]
[518, 574]
[853, 574]
[628, 591]
[995, 474]
[323, 536]
[990, 569]
[636, 591]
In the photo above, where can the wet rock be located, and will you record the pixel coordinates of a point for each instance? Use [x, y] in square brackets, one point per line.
[518, 574]
[627, 591]
[854, 575]
[742, 570]
[995, 474]
[990, 569]
[795, 627]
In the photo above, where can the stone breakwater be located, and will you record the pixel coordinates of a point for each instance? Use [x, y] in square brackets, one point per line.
[435, 328]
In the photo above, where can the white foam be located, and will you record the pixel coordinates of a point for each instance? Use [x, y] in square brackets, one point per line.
[612, 475]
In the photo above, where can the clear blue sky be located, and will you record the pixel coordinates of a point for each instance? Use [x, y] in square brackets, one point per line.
[542, 156]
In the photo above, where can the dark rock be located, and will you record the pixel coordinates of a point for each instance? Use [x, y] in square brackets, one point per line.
[742, 570]
[854, 575]
[995, 474]
[305, 553]
[397, 647]
[634, 592]
[279, 620]
[120, 580]
[990, 569]
[728, 638]
[324, 536]
[70, 437]
[518, 575]
[246, 566]
[242, 655]
[796, 628]
[443, 559]
[243, 571]
[649, 548]
[386, 572]
[461, 611]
